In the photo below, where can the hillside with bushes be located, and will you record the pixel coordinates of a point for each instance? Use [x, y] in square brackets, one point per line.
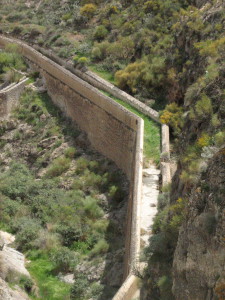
[63, 201]
[170, 54]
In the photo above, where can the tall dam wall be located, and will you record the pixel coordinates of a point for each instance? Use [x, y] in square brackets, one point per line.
[112, 130]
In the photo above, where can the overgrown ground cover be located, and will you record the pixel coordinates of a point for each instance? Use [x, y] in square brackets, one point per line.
[10, 63]
[171, 51]
[55, 197]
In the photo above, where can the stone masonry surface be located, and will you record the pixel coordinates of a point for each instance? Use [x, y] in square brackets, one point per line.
[111, 129]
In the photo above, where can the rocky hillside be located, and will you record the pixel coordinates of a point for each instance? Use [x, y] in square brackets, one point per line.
[169, 54]
[198, 264]
[64, 202]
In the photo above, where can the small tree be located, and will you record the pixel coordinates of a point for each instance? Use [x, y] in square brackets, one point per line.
[88, 10]
[100, 33]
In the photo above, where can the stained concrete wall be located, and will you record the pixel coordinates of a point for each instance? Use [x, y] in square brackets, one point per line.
[9, 97]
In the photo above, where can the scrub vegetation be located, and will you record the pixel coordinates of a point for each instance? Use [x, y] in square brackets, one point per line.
[56, 196]
[170, 55]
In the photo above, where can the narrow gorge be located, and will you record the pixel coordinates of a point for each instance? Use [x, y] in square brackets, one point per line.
[112, 149]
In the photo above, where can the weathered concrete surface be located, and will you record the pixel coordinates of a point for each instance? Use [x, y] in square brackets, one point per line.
[149, 202]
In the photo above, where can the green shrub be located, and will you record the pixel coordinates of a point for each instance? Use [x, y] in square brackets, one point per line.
[81, 165]
[100, 50]
[100, 248]
[16, 182]
[151, 6]
[82, 247]
[58, 166]
[158, 244]
[204, 140]
[163, 200]
[165, 285]
[215, 121]
[47, 240]
[94, 166]
[80, 61]
[116, 193]
[96, 53]
[63, 259]
[211, 47]
[91, 208]
[88, 10]
[219, 138]
[26, 283]
[27, 231]
[203, 107]
[70, 152]
[66, 17]
[15, 17]
[100, 33]
[173, 116]
[80, 287]
[83, 61]
[70, 231]
[11, 59]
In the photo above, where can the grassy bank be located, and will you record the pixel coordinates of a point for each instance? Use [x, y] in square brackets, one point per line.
[50, 287]
[151, 132]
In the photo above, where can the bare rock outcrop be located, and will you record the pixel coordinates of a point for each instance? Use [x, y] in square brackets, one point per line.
[6, 293]
[12, 267]
[199, 260]
[12, 262]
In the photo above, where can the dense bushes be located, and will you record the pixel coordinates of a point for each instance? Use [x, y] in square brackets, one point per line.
[59, 165]
[55, 203]
[173, 116]
[88, 10]
[169, 51]
[10, 62]
[100, 33]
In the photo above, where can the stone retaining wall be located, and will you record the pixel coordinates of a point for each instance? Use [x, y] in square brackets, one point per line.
[9, 97]
[129, 287]
[112, 130]
[106, 86]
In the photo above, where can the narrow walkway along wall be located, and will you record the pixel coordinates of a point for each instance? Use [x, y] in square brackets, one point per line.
[112, 130]
[9, 97]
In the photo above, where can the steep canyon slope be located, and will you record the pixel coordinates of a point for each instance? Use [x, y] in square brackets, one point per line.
[171, 55]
